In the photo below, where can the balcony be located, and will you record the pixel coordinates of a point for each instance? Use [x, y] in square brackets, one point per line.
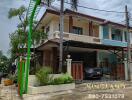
[114, 43]
[76, 37]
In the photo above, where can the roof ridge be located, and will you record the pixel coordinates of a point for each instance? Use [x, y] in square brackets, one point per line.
[104, 21]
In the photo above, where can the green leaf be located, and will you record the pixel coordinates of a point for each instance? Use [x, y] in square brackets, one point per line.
[13, 12]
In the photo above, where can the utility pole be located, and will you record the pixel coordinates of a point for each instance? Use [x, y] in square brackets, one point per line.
[128, 44]
[61, 34]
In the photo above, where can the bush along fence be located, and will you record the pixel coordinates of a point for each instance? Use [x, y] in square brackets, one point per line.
[45, 77]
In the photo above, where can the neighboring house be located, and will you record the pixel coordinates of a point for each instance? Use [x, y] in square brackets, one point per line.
[91, 41]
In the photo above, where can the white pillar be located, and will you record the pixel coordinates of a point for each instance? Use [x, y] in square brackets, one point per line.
[69, 61]
[126, 69]
[101, 32]
[130, 72]
[123, 36]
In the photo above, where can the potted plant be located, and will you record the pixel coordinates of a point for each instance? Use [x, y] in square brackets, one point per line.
[9, 80]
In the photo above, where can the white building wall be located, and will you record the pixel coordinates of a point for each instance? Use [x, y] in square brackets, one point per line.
[131, 37]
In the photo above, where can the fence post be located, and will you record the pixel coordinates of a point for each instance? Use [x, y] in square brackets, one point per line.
[69, 61]
[126, 69]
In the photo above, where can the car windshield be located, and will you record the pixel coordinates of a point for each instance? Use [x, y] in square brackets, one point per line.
[97, 69]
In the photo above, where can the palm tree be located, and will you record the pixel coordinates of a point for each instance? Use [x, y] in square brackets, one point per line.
[74, 4]
[19, 37]
[13, 12]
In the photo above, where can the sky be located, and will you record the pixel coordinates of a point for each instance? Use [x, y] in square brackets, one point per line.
[8, 26]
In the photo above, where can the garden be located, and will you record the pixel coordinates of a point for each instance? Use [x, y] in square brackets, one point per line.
[44, 81]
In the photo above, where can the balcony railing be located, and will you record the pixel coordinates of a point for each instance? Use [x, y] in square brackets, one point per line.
[76, 37]
[114, 42]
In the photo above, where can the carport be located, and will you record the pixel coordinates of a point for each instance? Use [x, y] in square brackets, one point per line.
[110, 58]
[86, 54]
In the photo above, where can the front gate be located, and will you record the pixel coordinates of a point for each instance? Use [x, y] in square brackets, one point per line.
[77, 70]
[115, 71]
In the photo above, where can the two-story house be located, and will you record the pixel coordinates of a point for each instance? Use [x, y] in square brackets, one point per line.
[91, 41]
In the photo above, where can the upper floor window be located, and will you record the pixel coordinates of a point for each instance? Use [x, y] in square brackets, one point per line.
[47, 29]
[77, 30]
[116, 34]
[125, 36]
[106, 32]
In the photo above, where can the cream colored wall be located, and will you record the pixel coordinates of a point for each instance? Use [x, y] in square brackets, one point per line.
[50, 28]
[66, 26]
[83, 25]
[54, 25]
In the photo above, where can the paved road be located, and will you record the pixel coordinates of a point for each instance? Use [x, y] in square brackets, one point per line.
[82, 93]
[127, 93]
[8, 93]
[79, 93]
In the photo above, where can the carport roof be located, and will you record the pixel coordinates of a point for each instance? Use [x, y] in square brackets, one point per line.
[93, 46]
[82, 45]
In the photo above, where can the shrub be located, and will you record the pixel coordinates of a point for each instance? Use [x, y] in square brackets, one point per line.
[43, 76]
[67, 78]
[64, 79]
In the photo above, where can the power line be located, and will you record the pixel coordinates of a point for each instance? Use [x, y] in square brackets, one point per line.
[95, 8]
